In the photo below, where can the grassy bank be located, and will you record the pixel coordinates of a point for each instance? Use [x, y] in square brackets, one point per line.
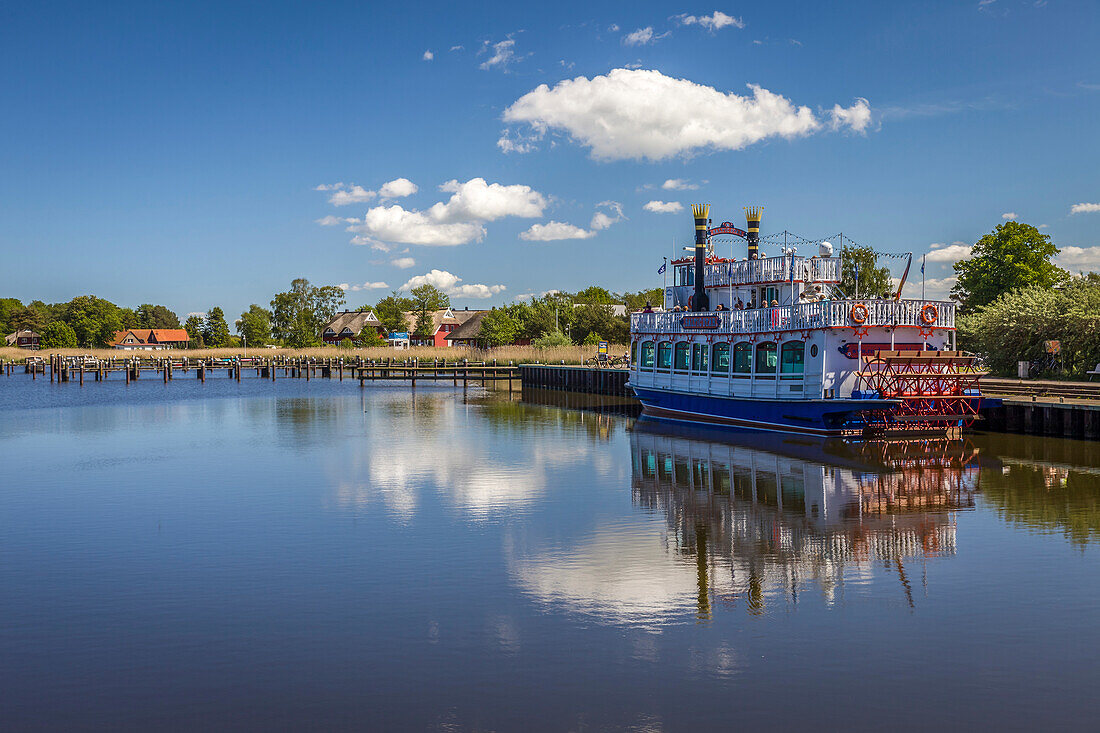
[503, 354]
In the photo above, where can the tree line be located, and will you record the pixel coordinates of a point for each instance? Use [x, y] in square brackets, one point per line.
[297, 317]
[1013, 299]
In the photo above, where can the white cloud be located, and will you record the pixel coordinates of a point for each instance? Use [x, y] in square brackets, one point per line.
[364, 286]
[607, 214]
[1084, 208]
[428, 55]
[397, 188]
[679, 184]
[1008, 215]
[449, 284]
[459, 220]
[328, 186]
[555, 230]
[477, 200]
[664, 207]
[457, 48]
[504, 54]
[1079, 258]
[330, 221]
[934, 288]
[395, 224]
[714, 22]
[856, 117]
[949, 253]
[403, 263]
[350, 195]
[520, 143]
[641, 114]
[640, 37]
[613, 28]
[612, 214]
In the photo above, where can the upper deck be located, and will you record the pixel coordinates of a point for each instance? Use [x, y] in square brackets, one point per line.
[798, 317]
[721, 273]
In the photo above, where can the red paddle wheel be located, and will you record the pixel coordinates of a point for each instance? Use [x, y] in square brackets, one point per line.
[937, 390]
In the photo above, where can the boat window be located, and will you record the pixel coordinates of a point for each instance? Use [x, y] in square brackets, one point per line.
[766, 354]
[699, 354]
[742, 358]
[664, 355]
[647, 355]
[792, 363]
[720, 360]
[681, 362]
[633, 352]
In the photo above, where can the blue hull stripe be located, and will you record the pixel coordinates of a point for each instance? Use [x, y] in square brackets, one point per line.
[814, 417]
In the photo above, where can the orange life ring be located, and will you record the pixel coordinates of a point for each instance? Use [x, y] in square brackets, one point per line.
[929, 314]
[859, 313]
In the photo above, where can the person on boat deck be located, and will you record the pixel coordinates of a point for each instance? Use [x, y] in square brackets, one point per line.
[740, 304]
[648, 308]
[720, 307]
[774, 302]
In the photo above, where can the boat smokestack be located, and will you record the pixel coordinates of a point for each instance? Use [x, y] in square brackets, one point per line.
[752, 218]
[699, 301]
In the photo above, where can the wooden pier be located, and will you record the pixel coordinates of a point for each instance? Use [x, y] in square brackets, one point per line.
[64, 369]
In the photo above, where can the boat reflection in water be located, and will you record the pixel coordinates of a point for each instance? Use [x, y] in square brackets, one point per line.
[769, 515]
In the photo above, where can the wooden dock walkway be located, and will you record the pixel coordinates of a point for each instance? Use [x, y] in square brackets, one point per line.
[63, 369]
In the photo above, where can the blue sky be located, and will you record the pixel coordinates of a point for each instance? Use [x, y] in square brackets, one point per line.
[185, 154]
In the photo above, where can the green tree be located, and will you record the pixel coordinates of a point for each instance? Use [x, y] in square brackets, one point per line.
[426, 299]
[551, 312]
[551, 340]
[391, 312]
[215, 331]
[194, 327]
[299, 315]
[1014, 326]
[24, 318]
[637, 301]
[369, 337]
[599, 319]
[95, 320]
[1013, 256]
[498, 328]
[874, 281]
[595, 294]
[7, 307]
[156, 316]
[58, 335]
[254, 326]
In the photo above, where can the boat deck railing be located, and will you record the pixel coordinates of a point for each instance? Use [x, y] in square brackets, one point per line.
[801, 317]
[771, 270]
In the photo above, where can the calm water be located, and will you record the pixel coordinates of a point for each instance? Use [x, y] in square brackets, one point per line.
[313, 555]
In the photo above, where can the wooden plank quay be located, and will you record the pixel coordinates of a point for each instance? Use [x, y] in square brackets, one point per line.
[62, 369]
[589, 380]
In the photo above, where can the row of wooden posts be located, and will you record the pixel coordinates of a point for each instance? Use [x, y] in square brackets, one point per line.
[75, 368]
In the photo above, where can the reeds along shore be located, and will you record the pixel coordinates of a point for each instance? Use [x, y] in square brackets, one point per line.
[503, 354]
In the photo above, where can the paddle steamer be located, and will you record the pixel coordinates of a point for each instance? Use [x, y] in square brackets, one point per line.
[770, 342]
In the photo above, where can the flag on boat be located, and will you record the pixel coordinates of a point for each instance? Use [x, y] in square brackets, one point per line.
[661, 271]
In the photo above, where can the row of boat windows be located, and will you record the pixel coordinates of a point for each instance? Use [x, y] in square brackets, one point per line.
[789, 359]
